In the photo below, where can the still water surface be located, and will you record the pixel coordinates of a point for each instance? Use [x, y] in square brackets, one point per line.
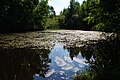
[63, 65]
[58, 63]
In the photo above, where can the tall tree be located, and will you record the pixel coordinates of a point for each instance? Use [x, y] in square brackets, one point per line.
[40, 13]
[104, 15]
[16, 15]
[71, 14]
[52, 12]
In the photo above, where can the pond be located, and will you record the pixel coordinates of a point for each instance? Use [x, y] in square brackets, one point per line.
[57, 63]
[46, 55]
[59, 55]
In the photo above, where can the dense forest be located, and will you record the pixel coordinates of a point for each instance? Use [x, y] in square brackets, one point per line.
[22, 15]
[100, 15]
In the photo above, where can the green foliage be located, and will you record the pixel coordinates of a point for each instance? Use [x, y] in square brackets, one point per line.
[99, 26]
[52, 23]
[52, 12]
[86, 75]
[22, 15]
[104, 12]
[102, 15]
[74, 16]
[40, 13]
[16, 15]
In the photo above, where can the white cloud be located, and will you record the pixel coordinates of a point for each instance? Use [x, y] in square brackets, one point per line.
[64, 65]
[68, 59]
[59, 61]
[67, 67]
[49, 73]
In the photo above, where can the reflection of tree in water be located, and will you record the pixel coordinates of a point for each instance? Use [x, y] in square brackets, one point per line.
[85, 52]
[106, 55]
[22, 64]
[74, 51]
[106, 64]
[107, 59]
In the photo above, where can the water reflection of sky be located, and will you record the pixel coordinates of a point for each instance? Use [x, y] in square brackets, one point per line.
[62, 67]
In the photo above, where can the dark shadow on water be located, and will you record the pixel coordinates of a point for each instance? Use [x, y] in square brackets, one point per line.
[106, 63]
[107, 58]
[36, 64]
[22, 64]
[85, 52]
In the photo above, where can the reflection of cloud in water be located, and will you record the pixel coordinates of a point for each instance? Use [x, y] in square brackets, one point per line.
[59, 61]
[64, 65]
[37, 77]
[49, 73]
[81, 61]
[67, 67]
[76, 69]
[68, 59]
[81, 65]
[63, 78]
[62, 72]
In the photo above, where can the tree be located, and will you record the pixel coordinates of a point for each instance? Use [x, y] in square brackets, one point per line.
[75, 15]
[52, 12]
[22, 15]
[40, 13]
[71, 15]
[104, 15]
[16, 15]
